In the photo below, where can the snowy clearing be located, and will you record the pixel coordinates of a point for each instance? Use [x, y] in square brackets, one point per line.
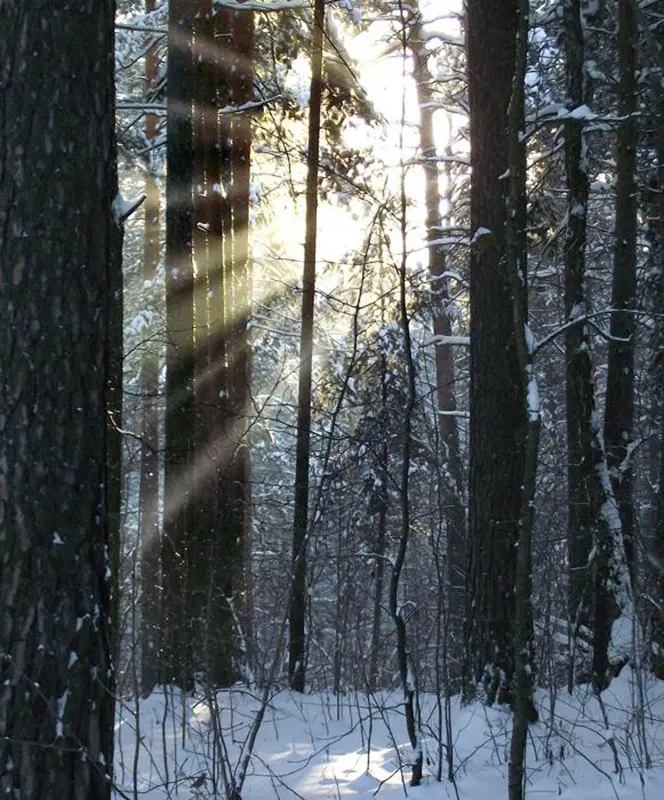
[324, 746]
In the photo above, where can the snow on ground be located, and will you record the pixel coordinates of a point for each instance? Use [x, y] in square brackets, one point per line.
[324, 746]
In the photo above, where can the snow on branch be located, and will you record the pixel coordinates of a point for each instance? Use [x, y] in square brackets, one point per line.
[449, 240]
[123, 26]
[122, 208]
[257, 5]
[441, 339]
[578, 320]
[249, 105]
[448, 274]
[148, 108]
[464, 160]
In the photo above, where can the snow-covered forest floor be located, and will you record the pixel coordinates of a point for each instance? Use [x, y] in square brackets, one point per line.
[325, 746]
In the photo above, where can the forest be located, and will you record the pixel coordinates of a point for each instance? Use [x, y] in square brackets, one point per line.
[331, 399]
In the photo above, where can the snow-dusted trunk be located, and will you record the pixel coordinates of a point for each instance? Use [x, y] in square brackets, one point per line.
[298, 597]
[588, 534]
[658, 375]
[517, 264]
[397, 612]
[451, 468]
[579, 388]
[613, 551]
[150, 533]
[498, 421]
[60, 298]
[619, 413]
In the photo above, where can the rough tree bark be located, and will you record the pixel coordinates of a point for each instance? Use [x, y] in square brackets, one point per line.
[60, 298]
[497, 403]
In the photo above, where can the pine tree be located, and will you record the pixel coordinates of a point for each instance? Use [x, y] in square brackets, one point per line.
[60, 295]
[497, 401]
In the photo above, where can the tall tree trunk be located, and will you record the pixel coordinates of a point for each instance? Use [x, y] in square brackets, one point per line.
[60, 298]
[180, 421]
[658, 375]
[614, 567]
[150, 535]
[205, 606]
[220, 638]
[517, 262]
[452, 483]
[242, 92]
[497, 403]
[298, 596]
[587, 526]
[381, 532]
[619, 414]
[404, 660]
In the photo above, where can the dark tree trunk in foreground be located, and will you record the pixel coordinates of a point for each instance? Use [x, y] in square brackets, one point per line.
[60, 306]
[150, 535]
[178, 467]
[497, 402]
[298, 598]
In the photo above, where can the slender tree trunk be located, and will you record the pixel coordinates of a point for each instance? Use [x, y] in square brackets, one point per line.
[658, 375]
[297, 610]
[406, 672]
[587, 527]
[242, 91]
[497, 404]
[381, 533]
[619, 413]
[60, 298]
[452, 473]
[580, 401]
[180, 421]
[517, 261]
[614, 551]
[150, 535]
